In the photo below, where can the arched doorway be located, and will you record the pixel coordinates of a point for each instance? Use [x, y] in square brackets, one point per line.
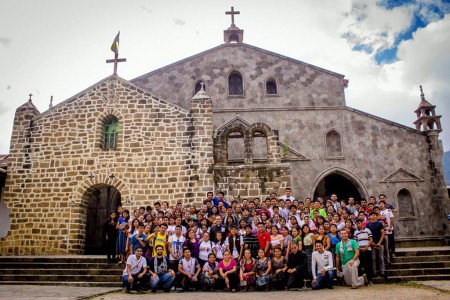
[338, 182]
[102, 200]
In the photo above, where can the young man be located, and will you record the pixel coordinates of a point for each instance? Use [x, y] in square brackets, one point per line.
[235, 243]
[363, 237]
[138, 240]
[377, 230]
[316, 207]
[389, 230]
[297, 268]
[220, 198]
[135, 270]
[188, 271]
[251, 241]
[176, 242]
[347, 252]
[160, 238]
[287, 195]
[160, 271]
[263, 238]
[322, 268]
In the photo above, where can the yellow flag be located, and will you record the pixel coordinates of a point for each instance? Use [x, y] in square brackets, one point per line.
[115, 44]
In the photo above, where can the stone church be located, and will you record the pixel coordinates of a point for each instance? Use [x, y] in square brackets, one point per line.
[235, 118]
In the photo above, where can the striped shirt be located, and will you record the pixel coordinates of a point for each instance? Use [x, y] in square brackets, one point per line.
[363, 237]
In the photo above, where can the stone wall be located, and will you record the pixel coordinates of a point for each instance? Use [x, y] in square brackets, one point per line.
[249, 181]
[159, 157]
[299, 84]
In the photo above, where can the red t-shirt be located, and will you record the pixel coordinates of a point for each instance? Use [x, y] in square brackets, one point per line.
[263, 240]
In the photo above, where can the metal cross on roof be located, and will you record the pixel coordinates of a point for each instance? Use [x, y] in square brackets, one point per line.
[31, 95]
[232, 13]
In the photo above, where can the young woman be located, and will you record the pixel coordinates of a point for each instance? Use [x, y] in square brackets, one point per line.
[264, 269]
[321, 236]
[247, 271]
[334, 239]
[349, 227]
[122, 227]
[192, 243]
[339, 224]
[297, 237]
[205, 249]
[132, 231]
[279, 266]
[276, 239]
[242, 225]
[308, 240]
[220, 246]
[210, 273]
[287, 239]
[228, 272]
[110, 235]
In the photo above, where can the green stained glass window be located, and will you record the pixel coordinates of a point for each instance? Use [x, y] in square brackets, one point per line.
[110, 134]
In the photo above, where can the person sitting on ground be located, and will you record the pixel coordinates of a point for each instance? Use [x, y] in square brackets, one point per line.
[247, 271]
[188, 272]
[209, 275]
[161, 271]
[135, 270]
[228, 272]
[322, 268]
[347, 252]
[297, 269]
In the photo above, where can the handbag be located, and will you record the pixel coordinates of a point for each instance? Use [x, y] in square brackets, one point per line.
[262, 280]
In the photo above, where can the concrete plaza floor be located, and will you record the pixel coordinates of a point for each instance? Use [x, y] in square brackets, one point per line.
[417, 290]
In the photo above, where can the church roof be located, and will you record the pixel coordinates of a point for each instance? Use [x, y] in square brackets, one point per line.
[226, 45]
[76, 96]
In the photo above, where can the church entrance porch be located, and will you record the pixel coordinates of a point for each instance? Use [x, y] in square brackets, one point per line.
[341, 183]
[102, 200]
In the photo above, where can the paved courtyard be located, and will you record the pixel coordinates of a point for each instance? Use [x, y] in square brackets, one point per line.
[431, 290]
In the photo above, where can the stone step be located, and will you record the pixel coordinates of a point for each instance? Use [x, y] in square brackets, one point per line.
[61, 278]
[39, 265]
[117, 284]
[421, 264]
[56, 259]
[422, 251]
[418, 271]
[393, 279]
[422, 258]
[72, 272]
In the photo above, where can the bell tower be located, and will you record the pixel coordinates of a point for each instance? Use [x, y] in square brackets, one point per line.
[426, 116]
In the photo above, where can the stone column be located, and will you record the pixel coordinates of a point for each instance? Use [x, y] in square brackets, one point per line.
[202, 147]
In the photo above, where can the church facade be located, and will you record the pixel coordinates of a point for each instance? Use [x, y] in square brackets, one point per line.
[234, 118]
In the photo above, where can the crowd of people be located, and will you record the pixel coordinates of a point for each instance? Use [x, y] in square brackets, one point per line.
[277, 243]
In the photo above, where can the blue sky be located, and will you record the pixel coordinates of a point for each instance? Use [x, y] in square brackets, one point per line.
[423, 13]
[385, 48]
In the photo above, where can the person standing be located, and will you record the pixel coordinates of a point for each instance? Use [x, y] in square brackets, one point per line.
[110, 235]
[363, 237]
[377, 230]
[347, 252]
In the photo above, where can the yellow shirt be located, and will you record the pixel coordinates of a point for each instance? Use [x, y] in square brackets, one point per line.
[160, 240]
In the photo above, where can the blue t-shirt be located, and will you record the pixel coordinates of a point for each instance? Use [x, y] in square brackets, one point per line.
[375, 228]
[135, 242]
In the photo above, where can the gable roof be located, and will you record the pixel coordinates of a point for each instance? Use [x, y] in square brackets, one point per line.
[236, 45]
[122, 81]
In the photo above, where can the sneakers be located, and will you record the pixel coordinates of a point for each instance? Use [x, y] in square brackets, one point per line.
[303, 288]
[354, 287]
[180, 290]
[393, 256]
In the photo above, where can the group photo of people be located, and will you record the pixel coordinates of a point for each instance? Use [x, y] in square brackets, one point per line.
[276, 243]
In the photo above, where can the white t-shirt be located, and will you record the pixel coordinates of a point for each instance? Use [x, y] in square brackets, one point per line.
[234, 251]
[321, 261]
[205, 248]
[136, 265]
[220, 249]
[388, 215]
[177, 246]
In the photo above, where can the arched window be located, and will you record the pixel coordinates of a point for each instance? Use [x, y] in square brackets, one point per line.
[110, 133]
[235, 84]
[405, 204]
[271, 87]
[198, 86]
[334, 144]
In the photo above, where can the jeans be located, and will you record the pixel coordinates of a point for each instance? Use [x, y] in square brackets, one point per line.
[164, 280]
[137, 282]
[324, 281]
